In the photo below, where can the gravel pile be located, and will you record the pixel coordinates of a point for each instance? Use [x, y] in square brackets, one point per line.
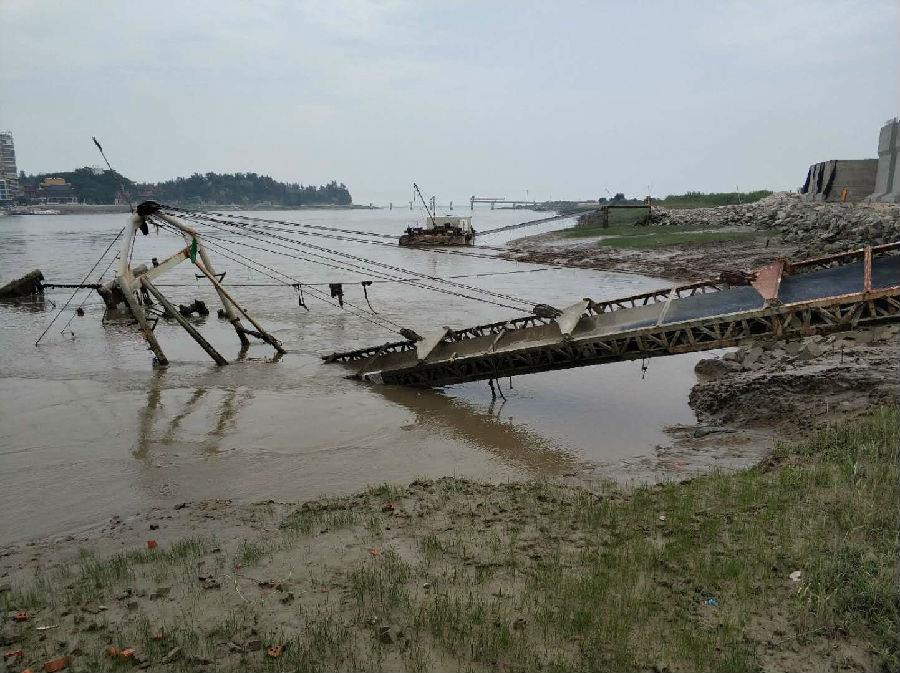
[815, 228]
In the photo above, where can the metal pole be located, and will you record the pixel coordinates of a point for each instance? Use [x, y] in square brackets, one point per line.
[190, 234]
[184, 322]
[138, 312]
[267, 337]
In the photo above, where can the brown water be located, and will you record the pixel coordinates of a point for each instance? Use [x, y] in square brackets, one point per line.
[88, 429]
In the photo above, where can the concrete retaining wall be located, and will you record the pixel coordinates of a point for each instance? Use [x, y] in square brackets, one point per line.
[829, 180]
[887, 178]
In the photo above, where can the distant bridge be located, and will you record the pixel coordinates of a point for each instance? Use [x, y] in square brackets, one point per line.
[785, 300]
[503, 201]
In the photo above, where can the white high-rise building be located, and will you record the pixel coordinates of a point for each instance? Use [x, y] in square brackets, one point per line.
[9, 175]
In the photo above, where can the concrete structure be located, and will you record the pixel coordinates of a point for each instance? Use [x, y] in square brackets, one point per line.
[887, 178]
[9, 175]
[840, 180]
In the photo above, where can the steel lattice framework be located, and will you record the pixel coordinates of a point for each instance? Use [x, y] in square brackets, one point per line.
[649, 322]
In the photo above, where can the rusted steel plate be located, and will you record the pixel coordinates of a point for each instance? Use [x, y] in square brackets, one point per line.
[767, 280]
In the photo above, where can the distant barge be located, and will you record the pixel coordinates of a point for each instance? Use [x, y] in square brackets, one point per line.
[441, 231]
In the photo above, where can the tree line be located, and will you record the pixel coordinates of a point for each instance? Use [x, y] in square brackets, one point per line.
[103, 187]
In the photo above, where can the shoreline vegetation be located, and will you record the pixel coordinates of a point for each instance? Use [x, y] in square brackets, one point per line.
[789, 565]
[104, 187]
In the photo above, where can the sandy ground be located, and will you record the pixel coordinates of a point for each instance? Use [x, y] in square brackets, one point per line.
[437, 575]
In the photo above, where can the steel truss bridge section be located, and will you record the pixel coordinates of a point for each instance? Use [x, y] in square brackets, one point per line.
[785, 300]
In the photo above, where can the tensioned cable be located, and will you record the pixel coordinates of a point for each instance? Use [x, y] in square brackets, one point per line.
[347, 266]
[222, 249]
[208, 220]
[86, 276]
[284, 223]
[50, 286]
[87, 295]
[367, 270]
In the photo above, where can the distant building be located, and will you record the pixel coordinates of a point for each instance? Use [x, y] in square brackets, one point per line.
[52, 191]
[9, 176]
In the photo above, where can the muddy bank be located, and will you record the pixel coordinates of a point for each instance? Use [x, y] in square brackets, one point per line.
[784, 387]
[788, 226]
[767, 389]
[744, 571]
[683, 264]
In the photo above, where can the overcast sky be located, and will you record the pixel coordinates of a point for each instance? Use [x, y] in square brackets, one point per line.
[564, 99]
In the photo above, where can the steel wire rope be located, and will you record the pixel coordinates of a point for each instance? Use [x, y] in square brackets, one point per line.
[284, 223]
[222, 249]
[322, 227]
[314, 283]
[361, 268]
[86, 276]
[337, 264]
[379, 274]
[364, 260]
[81, 305]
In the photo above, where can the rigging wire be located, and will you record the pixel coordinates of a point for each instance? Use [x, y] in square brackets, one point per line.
[222, 249]
[87, 295]
[209, 220]
[359, 268]
[318, 282]
[283, 223]
[83, 280]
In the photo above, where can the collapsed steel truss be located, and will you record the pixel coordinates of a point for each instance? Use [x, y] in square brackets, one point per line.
[396, 363]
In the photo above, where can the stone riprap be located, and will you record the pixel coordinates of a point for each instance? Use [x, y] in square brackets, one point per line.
[815, 228]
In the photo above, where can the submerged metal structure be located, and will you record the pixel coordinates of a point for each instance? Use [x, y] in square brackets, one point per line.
[127, 293]
[784, 300]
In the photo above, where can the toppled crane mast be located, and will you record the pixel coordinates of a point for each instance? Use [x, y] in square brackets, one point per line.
[784, 300]
[127, 293]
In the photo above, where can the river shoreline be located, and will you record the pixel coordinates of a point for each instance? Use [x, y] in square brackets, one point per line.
[787, 565]
[721, 570]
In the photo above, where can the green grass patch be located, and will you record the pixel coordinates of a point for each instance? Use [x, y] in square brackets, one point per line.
[626, 234]
[712, 199]
[661, 237]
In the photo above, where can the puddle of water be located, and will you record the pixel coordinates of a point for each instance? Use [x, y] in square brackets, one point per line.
[88, 429]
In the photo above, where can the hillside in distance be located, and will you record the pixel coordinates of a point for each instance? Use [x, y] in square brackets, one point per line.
[104, 187]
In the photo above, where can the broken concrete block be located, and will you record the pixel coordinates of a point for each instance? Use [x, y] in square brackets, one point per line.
[810, 351]
[752, 356]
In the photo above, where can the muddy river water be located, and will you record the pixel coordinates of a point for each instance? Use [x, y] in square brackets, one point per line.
[89, 429]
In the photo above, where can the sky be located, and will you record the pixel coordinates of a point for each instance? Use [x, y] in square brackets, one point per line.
[552, 100]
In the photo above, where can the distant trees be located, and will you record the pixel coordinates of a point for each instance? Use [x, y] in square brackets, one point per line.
[704, 200]
[91, 186]
[247, 189]
[99, 187]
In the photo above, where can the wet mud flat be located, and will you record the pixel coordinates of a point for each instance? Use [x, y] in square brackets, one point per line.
[786, 566]
[680, 263]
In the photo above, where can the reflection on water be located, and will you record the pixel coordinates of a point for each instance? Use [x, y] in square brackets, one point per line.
[517, 444]
[88, 428]
[156, 433]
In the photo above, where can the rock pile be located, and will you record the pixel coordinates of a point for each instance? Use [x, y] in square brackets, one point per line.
[768, 356]
[815, 228]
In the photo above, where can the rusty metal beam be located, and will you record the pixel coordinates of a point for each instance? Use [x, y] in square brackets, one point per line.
[531, 344]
